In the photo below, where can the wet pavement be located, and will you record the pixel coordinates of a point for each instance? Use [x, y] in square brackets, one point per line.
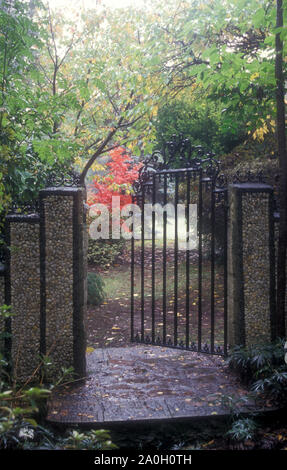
[147, 383]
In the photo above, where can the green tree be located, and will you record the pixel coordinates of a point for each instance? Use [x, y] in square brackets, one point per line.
[223, 50]
[18, 43]
[26, 118]
[230, 49]
[103, 67]
[200, 121]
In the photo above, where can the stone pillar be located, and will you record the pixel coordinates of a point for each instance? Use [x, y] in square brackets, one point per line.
[24, 292]
[63, 277]
[2, 302]
[276, 237]
[251, 270]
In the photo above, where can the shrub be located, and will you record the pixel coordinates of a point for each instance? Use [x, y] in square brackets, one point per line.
[251, 152]
[257, 361]
[90, 440]
[264, 367]
[273, 387]
[104, 252]
[22, 413]
[96, 293]
[203, 124]
[242, 430]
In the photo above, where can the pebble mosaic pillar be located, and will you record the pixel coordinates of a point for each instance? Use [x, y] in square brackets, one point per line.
[251, 267]
[63, 277]
[24, 293]
[276, 237]
[2, 302]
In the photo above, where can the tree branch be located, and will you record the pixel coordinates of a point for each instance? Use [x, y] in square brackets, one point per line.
[103, 145]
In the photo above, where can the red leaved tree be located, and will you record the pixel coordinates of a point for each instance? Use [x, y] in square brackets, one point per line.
[117, 182]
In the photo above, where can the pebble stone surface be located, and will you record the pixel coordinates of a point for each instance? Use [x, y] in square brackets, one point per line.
[249, 262]
[256, 266]
[2, 301]
[25, 298]
[59, 279]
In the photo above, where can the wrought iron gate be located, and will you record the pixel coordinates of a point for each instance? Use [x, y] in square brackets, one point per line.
[179, 251]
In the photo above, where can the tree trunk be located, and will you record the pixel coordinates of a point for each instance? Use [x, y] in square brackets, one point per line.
[281, 141]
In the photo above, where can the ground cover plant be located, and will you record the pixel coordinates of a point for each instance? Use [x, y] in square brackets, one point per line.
[23, 408]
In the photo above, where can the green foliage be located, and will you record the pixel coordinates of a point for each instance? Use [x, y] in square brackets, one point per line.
[104, 252]
[28, 151]
[23, 408]
[257, 153]
[200, 122]
[96, 292]
[223, 52]
[274, 386]
[19, 407]
[24, 173]
[242, 430]
[5, 312]
[20, 433]
[264, 367]
[234, 405]
[91, 440]
[258, 360]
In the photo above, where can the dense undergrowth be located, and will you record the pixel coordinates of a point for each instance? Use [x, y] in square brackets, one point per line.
[23, 409]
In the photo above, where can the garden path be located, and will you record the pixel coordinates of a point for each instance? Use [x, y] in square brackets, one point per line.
[146, 384]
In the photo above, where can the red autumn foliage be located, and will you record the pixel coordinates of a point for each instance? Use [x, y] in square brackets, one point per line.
[117, 182]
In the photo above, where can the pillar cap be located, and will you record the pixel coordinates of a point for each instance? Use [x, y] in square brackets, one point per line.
[252, 187]
[61, 191]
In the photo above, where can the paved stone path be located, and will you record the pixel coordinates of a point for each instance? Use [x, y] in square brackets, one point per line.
[146, 383]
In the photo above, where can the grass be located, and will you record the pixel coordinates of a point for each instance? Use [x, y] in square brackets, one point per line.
[117, 281]
[118, 296]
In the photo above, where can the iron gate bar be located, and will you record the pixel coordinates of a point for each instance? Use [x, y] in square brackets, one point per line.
[175, 261]
[164, 258]
[199, 260]
[153, 261]
[212, 267]
[205, 172]
[187, 276]
[222, 194]
[225, 192]
[142, 261]
[132, 275]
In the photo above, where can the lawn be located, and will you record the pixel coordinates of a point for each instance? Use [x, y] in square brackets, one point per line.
[109, 323]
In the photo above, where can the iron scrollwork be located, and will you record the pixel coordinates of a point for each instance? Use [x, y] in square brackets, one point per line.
[67, 179]
[177, 152]
[180, 151]
[31, 207]
[249, 176]
[55, 179]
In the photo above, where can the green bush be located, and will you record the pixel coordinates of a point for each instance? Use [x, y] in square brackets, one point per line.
[264, 367]
[104, 252]
[96, 293]
[259, 153]
[242, 430]
[273, 387]
[257, 360]
[90, 440]
[202, 123]
[23, 409]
